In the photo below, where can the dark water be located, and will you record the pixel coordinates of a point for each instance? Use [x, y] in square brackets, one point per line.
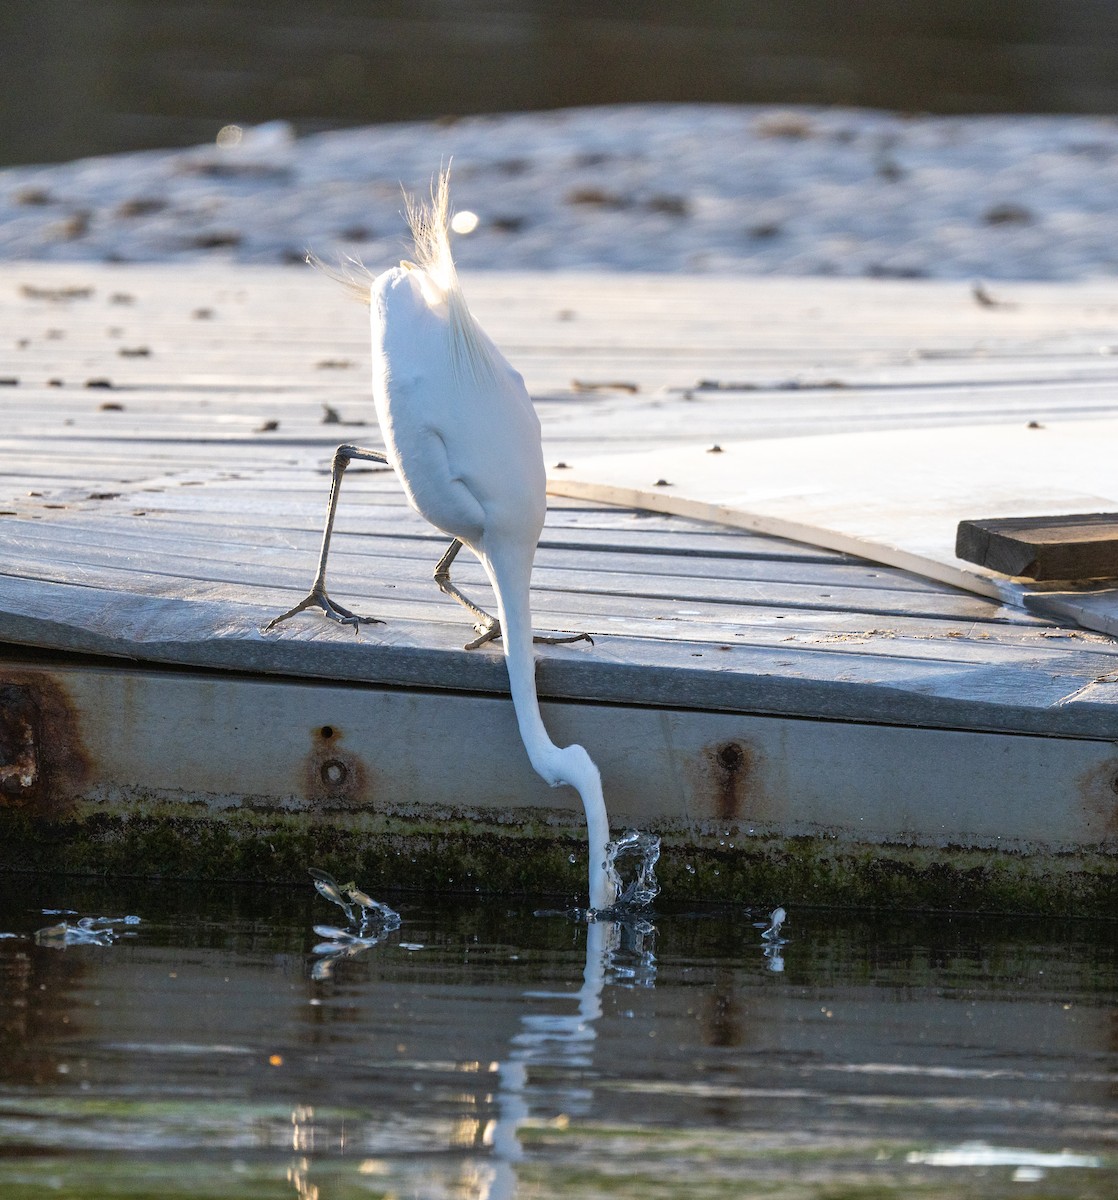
[484, 1051]
[90, 76]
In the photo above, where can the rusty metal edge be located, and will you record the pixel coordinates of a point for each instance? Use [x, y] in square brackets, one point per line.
[537, 852]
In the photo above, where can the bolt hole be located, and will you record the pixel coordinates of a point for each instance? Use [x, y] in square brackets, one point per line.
[731, 756]
[326, 732]
[333, 773]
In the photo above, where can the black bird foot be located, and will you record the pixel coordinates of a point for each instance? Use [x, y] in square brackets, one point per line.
[567, 637]
[490, 631]
[487, 631]
[317, 598]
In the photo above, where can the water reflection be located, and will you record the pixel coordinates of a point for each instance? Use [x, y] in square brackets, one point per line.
[620, 953]
[507, 1053]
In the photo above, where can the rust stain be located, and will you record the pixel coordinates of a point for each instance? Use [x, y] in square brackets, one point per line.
[1098, 789]
[730, 785]
[19, 751]
[43, 760]
[731, 773]
[333, 777]
[726, 769]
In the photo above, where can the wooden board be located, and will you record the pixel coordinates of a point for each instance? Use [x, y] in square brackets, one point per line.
[149, 530]
[1073, 547]
[894, 497]
[161, 520]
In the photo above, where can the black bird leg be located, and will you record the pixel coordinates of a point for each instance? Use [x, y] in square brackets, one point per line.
[487, 627]
[317, 597]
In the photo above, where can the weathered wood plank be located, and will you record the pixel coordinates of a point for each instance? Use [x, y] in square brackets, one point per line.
[556, 593]
[667, 594]
[131, 539]
[214, 627]
[1075, 546]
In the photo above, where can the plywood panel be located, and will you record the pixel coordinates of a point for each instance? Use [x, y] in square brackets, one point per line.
[894, 497]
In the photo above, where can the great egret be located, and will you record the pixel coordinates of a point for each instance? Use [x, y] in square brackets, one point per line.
[464, 439]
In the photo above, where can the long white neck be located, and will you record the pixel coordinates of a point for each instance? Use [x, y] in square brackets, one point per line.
[556, 764]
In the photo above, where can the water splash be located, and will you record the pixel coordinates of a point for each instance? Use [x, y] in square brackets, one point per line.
[375, 922]
[371, 910]
[643, 887]
[87, 931]
[772, 927]
[770, 935]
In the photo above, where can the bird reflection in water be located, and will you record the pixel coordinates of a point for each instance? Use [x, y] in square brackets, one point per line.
[619, 953]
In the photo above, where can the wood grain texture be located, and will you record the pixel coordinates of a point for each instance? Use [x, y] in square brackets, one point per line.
[167, 517]
[1073, 547]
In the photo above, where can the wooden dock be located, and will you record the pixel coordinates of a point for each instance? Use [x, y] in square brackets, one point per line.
[800, 724]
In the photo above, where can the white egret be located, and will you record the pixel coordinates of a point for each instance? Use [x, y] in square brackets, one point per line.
[464, 439]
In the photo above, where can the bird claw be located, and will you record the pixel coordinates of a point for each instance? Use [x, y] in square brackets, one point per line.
[567, 637]
[317, 598]
[487, 632]
[491, 632]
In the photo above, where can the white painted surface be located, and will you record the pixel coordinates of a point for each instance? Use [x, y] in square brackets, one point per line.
[895, 497]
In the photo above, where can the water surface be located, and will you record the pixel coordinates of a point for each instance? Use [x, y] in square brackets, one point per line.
[491, 1051]
[91, 76]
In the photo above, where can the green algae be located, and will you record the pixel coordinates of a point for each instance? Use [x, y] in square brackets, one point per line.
[544, 855]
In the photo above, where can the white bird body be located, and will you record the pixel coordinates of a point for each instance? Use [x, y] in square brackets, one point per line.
[465, 443]
[463, 436]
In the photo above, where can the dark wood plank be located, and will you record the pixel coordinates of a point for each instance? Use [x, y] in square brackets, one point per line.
[1079, 546]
